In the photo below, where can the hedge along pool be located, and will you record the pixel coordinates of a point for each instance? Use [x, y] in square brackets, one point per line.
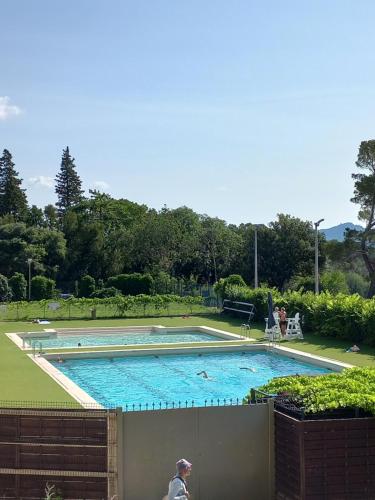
[59, 339]
[122, 381]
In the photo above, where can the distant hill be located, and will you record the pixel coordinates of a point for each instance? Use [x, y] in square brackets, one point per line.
[337, 232]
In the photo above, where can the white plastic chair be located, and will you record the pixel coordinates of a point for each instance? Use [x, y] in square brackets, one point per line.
[293, 328]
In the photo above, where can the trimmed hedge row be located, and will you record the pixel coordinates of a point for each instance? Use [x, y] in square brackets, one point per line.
[349, 317]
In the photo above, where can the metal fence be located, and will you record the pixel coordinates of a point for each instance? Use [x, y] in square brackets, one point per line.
[126, 407]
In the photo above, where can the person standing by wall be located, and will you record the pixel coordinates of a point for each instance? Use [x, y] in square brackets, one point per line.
[177, 486]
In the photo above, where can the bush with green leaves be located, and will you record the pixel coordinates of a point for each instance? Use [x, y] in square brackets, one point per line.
[164, 283]
[349, 317]
[301, 283]
[42, 288]
[352, 388]
[223, 283]
[132, 284]
[86, 286]
[117, 306]
[105, 293]
[18, 286]
[334, 281]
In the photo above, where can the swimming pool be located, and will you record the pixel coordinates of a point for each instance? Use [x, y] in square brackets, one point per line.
[122, 337]
[164, 378]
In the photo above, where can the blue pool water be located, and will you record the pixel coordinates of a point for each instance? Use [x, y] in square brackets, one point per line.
[167, 378]
[68, 340]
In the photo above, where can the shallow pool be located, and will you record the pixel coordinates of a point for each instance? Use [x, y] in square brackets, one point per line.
[173, 378]
[62, 340]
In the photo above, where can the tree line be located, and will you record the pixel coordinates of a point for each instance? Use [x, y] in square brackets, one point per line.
[103, 237]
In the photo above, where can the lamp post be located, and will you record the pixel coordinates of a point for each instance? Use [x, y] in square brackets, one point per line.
[29, 261]
[256, 280]
[256, 256]
[316, 224]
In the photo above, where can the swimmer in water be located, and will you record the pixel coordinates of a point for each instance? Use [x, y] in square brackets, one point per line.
[204, 374]
[246, 368]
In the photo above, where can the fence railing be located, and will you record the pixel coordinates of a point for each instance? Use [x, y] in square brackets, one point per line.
[126, 407]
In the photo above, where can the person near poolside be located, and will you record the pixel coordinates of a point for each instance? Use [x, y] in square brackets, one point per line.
[177, 486]
[283, 321]
[354, 348]
[276, 315]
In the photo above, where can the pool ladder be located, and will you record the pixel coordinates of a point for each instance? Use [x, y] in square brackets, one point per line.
[33, 345]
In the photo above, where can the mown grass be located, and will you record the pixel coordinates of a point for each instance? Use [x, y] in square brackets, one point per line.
[22, 380]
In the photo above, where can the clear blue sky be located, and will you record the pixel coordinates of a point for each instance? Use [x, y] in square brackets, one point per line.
[238, 109]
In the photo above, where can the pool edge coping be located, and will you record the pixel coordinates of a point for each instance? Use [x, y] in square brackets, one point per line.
[18, 337]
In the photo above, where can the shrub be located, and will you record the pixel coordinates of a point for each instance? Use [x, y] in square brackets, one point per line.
[223, 283]
[5, 291]
[301, 283]
[18, 285]
[352, 388]
[343, 316]
[86, 286]
[132, 284]
[105, 293]
[164, 283]
[334, 282]
[42, 288]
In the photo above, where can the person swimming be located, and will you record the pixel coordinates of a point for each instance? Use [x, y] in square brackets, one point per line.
[248, 368]
[205, 375]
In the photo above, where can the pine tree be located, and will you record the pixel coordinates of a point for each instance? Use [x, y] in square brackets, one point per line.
[68, 184]
[13, 199]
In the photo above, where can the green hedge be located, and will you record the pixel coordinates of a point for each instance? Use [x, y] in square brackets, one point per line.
[112, 307]
[349, 317]
[352, 388]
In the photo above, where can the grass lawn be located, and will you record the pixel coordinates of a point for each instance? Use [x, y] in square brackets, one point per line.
[22, 380]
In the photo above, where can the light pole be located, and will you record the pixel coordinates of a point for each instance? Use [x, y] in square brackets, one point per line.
[256, 279]
[29, 261]
[316, 224]
[256, 256]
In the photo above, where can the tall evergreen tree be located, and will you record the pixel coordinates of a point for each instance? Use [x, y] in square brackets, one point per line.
[13, 199]
[68, 184]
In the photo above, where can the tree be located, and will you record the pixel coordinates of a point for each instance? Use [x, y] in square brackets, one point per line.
[68, 184]
[50, 215]
[18, 243]
[364, 196]
[86, 286]
[35, 217]
[18, 285]
[292, 249]
[5, 293]
[42, 288]
[12, 198]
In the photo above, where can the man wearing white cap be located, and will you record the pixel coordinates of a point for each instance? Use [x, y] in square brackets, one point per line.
[177, 486]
